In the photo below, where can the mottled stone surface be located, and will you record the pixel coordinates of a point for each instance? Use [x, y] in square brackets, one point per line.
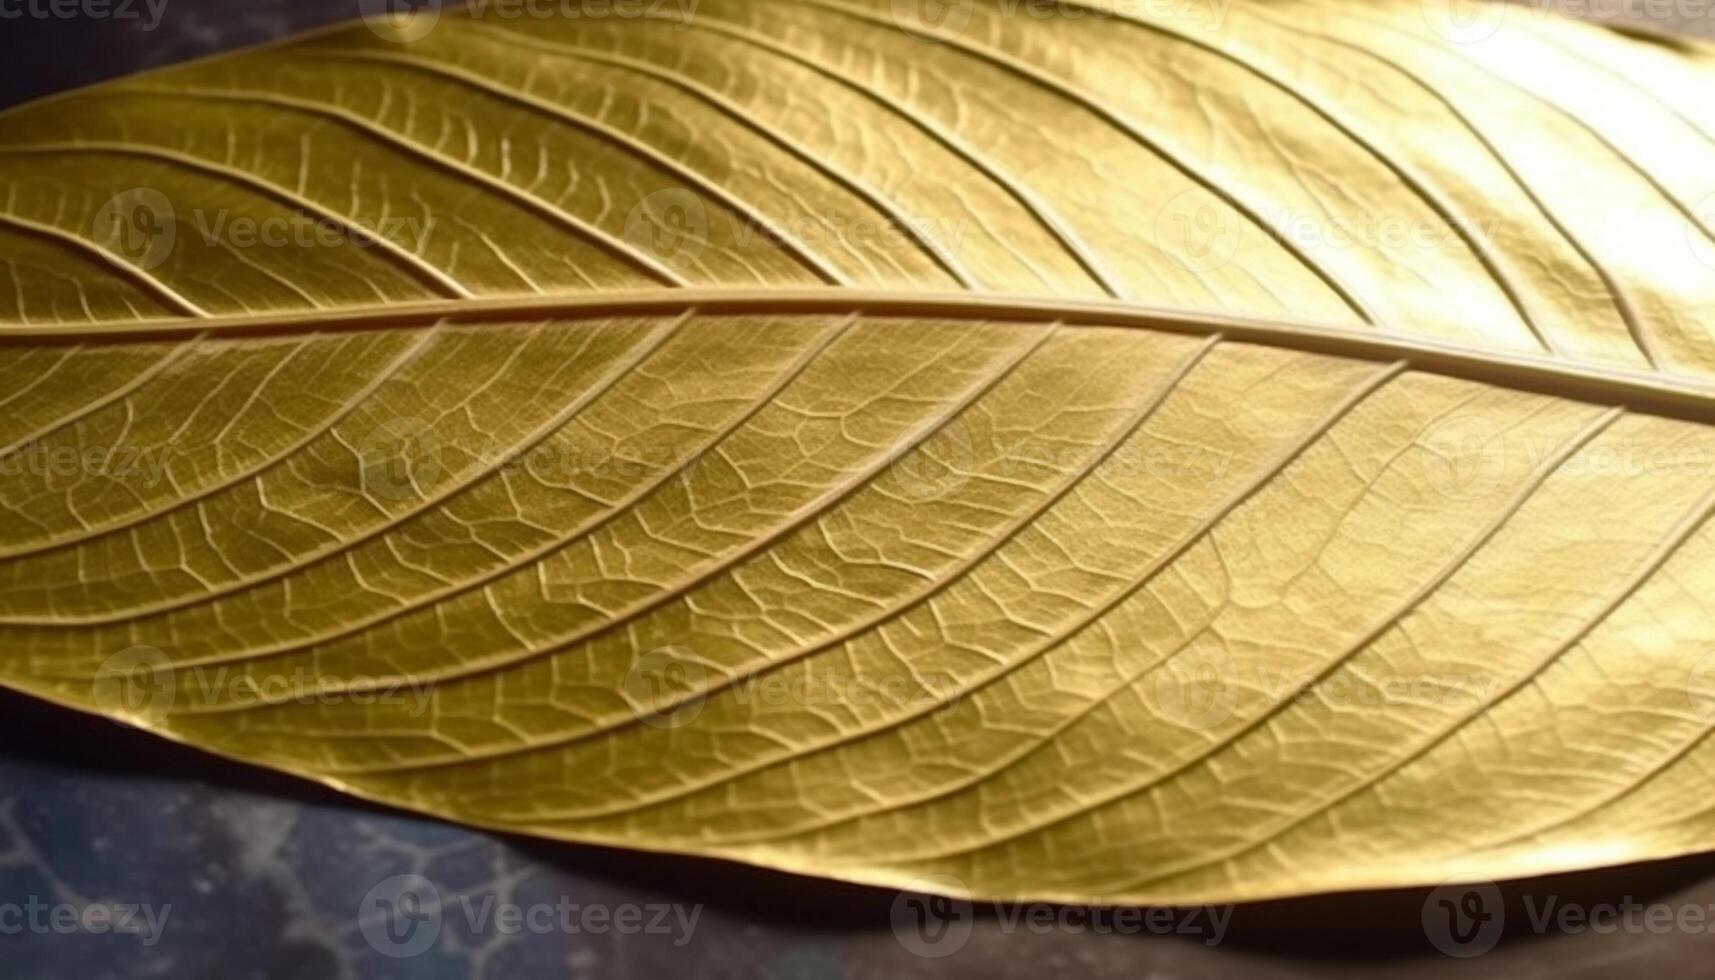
[268, 878]
[252, 875]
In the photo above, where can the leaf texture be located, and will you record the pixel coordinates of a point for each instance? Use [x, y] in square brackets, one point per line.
[1206, 452]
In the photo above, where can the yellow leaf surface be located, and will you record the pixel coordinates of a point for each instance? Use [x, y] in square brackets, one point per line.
[1177, 452]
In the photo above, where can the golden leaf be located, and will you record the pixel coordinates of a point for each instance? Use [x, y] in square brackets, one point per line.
[1172, 453]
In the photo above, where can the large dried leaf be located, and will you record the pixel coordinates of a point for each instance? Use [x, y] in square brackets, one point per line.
[1186, 453]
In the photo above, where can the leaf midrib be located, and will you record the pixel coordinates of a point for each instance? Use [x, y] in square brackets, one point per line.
[1657, 393]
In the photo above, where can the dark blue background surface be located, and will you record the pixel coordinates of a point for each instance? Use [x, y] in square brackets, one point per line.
[267, 877]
